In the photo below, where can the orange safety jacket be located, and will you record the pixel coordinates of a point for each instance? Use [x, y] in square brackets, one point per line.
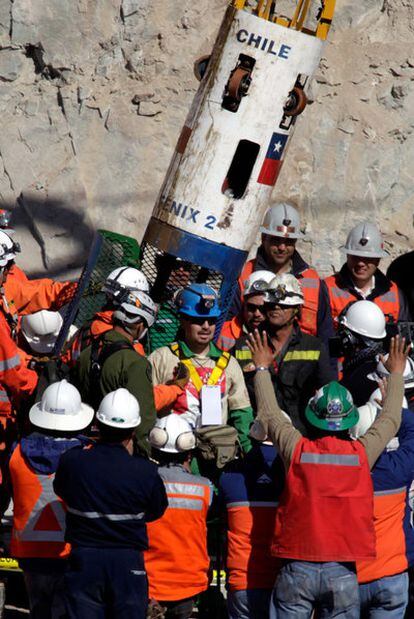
[310, 282]
[177, 560]
[16, 380]
[17, 273]
[340, 297]
[230, 333]
[389, 512]
[326, 511]
[38, 514]
[164, 395]
[19, 297]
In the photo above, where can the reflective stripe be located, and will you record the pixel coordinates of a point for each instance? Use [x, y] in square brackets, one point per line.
[226, 342]
[176, 503]
[243, 354]
[343, 460]
[189, 489]
[48, 499]
[302, 355]
[165, 321]
[309, 282]
[113, 517]
[388, 297]
[340, 293]
[3, 396]
[8, 364]
[391, 491]
[253, 504]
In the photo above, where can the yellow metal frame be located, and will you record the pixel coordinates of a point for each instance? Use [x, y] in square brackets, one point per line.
[264, 11]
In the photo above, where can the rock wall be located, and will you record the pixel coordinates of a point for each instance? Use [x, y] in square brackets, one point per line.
[93, 95]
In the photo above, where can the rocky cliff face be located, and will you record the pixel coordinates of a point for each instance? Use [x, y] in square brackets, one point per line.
[93, 96]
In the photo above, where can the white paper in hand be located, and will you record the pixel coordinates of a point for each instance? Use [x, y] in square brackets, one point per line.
[211, 405]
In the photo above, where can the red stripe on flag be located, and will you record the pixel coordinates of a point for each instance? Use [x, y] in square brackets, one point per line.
[269, 172]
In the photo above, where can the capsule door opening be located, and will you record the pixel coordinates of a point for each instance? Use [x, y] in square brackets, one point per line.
[240, 170]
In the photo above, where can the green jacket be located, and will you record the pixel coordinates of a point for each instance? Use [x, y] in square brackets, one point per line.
[125, 368]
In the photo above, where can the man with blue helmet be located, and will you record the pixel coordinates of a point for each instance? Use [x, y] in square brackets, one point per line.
[216, 392]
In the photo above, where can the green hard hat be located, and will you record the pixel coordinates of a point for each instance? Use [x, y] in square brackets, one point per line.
[332, 409]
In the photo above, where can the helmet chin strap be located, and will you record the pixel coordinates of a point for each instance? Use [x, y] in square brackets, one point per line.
[142, 334]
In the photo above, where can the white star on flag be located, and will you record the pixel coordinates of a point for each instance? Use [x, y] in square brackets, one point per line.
[277, 147]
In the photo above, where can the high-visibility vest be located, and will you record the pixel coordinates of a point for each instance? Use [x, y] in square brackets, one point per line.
[339, 298]
[16, 380]
[230, 333]
[38, 514]
[310, 282]
[326, 511]
[250, 527]
[177, 560]
[389, 512]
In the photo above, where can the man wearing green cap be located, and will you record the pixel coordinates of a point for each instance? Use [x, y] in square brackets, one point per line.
[325, 519]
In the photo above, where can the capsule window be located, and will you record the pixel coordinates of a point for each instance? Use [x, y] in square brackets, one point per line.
[240, 170]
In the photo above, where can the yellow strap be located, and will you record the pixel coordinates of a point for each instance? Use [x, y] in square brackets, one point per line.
[302, 355]
[222, 363]
[243, 355]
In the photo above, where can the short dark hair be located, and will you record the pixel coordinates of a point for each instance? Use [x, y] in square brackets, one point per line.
[108, 434]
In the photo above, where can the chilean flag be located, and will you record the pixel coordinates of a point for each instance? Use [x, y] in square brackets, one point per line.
[273, 160]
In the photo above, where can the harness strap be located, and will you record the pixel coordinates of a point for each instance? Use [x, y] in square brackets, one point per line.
[220, 366]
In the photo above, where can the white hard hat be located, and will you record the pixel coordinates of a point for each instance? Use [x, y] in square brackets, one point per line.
[41, 330]
[257, 282]
[8, 248]
[282, 220]
[408, 374]
[365, 318]
[367, 415]
[365, 240]
[61, 408]
[172, 434]
[119, 409]
[125, 278]
[286, 289]
[133, 306]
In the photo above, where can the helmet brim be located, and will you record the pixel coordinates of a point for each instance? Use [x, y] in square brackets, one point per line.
[116, 424]
[332, 425]
[365, 254]
[289, 235]
[65, 423]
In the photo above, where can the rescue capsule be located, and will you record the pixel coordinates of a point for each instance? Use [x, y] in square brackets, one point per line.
[233, 144]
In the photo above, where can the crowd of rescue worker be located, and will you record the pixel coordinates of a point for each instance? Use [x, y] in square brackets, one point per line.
[290, 426]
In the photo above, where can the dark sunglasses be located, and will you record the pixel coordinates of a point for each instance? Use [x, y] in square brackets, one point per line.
[252, 307]
[202, 320]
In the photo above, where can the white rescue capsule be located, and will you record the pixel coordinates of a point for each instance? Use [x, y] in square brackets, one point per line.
[234, 141]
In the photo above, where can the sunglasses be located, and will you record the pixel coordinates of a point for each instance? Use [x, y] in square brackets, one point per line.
[252, 307]
[202, 320]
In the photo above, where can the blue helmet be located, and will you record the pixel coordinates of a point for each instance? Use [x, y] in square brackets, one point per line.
[198, 301]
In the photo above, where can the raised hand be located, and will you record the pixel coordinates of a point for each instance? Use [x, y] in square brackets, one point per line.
[262, 353]
[398, 354]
